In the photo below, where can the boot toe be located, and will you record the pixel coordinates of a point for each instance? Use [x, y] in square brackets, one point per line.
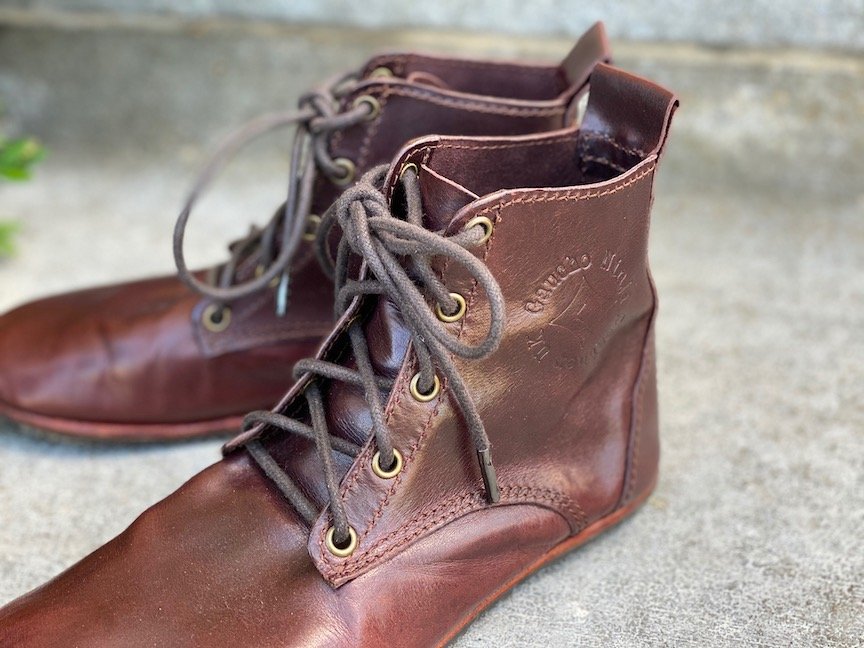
[85, 356]
[33, 349]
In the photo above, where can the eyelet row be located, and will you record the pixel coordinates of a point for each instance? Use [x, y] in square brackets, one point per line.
[349, 169]
[461, 308]
[351, 546]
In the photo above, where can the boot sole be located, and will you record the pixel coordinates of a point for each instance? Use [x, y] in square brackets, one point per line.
[122, 432]
[587, 534]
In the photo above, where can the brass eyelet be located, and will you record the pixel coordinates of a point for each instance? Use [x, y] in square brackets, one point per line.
[415, 390]
[394, 470]
[341, 552]
[260, 269]
[350, 169]
[372, 102]
[381, 72]
[406, 167]
[312, 223]
[216, 318]
[461, 307]
[485, 223]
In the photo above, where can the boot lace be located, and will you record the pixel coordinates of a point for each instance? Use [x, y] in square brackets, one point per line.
[315, 120]
[397, 255]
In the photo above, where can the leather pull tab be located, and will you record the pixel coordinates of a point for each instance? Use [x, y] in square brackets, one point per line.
[591, 48]
[576, 68]
[627, 111]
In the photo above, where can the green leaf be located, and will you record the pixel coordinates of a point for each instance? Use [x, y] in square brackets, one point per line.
[7, 238]
[18, 156]
[12, 173]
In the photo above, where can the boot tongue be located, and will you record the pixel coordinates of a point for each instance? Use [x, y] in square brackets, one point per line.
[386, 332]
[442, 198]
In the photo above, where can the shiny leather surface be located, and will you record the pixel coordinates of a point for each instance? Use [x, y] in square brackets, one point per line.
[134, 360]
[569, 402]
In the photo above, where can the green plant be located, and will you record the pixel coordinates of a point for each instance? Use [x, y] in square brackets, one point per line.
[17, 158]
[7, 238]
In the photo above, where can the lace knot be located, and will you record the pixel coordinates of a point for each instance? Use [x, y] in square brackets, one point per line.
[397, 259]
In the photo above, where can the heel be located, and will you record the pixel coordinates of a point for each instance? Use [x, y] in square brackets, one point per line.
[643, 455]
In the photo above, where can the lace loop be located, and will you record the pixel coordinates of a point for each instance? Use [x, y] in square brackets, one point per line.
[398, 258]
[316, 119]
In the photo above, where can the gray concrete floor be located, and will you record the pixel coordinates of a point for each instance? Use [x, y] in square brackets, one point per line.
[754, 535]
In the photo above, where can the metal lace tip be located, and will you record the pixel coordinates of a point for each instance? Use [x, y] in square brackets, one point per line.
[490, 480]
[282, 295]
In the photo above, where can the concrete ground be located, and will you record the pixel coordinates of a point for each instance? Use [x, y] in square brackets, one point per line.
[755, 534]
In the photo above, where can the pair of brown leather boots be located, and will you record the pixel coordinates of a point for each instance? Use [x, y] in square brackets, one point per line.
[485, 401]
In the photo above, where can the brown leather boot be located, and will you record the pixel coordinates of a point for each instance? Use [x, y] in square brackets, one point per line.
[486, 402]
[156, 360]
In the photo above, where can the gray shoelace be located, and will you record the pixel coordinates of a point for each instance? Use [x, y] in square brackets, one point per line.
[316, 119]
[397, 255]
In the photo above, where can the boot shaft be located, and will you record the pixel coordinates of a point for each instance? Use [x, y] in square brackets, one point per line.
[412, 95]
[417, 94]
[568, 399]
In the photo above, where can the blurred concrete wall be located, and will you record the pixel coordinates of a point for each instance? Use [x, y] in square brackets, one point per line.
[158, 79]
[830, 24]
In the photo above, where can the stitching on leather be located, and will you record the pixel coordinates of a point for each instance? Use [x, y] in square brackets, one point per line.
[545, 196]
[426, 153]
[476, 106]
[396, 62]
[611, 142]
[354, 477]
[409, 457]
[306, 329]
[487, 249]
[518, 69]
[401, 63]
[521, 68]
[480, 146]
[372, 130]
[453, 508]
[605, 162]
[637, 431]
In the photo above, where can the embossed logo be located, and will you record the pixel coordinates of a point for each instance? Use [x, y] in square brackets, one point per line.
[569, 339]
[612, 263]
[539, 345]
[566, 268]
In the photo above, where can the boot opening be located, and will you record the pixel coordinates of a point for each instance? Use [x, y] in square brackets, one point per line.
[535, 163]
